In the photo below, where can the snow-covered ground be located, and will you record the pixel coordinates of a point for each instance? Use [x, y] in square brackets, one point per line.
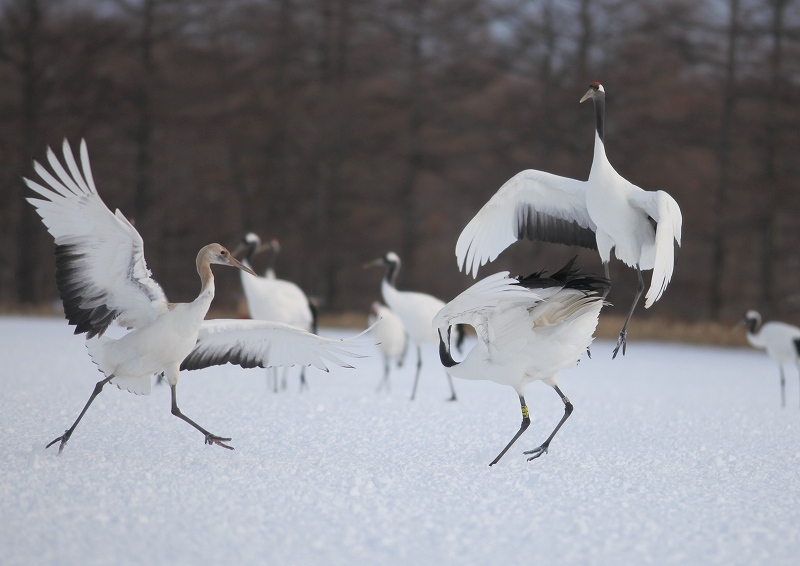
[674, 455]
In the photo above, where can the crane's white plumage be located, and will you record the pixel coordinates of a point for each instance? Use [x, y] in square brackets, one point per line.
[416, 311]
[273, 299]
[780, 340]
[528, 329]
[270, 298]
[390, 333]
[102, 276]
[604, 212]
[100, 266]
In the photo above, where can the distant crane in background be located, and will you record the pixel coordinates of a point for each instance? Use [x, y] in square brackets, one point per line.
[603, 213]
[392, 338]
[780, 340]
[102, 277]
[529, 328]
[416, 310]
[270, 298]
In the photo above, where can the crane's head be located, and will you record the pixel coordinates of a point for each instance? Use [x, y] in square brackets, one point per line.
[388, 260]
[392, 263]
[249, 244]
[216, 253]
[274, 246]
[751, 317]
[595, 90]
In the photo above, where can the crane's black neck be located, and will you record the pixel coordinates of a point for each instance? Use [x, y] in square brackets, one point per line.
[754, 325]
[599, 100]
[392, 267]
[444, 351]
[251, 251]
[272, 256]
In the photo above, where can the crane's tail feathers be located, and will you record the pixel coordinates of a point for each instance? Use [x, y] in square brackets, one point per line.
[98, 347]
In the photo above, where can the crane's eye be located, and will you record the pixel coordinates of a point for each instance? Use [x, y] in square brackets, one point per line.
[224, 252]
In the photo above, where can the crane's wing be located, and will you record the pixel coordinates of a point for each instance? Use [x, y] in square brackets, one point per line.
[662, 208]
[482, 302]
[260, 343]
[100, 268]
[532, 204]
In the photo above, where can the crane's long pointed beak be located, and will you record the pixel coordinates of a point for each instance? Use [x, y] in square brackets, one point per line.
[589, 94]
[374, 263]
[233, 262]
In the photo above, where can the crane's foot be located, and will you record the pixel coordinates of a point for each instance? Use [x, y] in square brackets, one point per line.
[453, 398]
[621, 341]
[63, 440]
[218, 440]
[536, 452]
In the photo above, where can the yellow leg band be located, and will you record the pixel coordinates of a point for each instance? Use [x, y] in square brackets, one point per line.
[525, 412]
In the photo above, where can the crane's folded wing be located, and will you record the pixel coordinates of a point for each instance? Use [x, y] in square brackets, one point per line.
[662, 208]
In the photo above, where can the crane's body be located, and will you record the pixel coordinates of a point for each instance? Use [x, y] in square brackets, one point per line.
[270, 298]
[277, 300]
[606, 212]
[416, 311]
[780, 340]
[528, 330]
[103, 278]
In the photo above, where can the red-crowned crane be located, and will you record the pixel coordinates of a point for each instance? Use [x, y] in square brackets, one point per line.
[270, 298]
[529, 329]
[603, 213]
[103, 278]
[780, 340]
[416, 310]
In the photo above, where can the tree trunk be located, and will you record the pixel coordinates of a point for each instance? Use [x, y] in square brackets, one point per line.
[716, 298]
[28, 231]
[767, 224]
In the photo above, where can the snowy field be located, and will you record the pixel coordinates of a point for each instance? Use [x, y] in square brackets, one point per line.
[674, 455]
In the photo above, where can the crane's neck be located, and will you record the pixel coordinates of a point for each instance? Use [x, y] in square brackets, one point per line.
[272, 256]
[392, 267]
[599, 101]
[251, 251]
[206, 278]
[444, 351]
[753, 326]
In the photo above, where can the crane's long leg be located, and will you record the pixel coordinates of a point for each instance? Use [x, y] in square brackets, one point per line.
[452, 389]
[622, 341]
[210, 438]
[303, 382]
[67, 433]
[526, 421]
[385, 380]
[419, 367]
[783, 388]
[273, 371]
[536, 452]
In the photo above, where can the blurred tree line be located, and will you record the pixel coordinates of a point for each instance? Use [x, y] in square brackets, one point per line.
[348, 128]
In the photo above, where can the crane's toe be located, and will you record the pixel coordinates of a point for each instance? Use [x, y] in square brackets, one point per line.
[621, 341]
[536, 452]
[218, 440]
[64, 438]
